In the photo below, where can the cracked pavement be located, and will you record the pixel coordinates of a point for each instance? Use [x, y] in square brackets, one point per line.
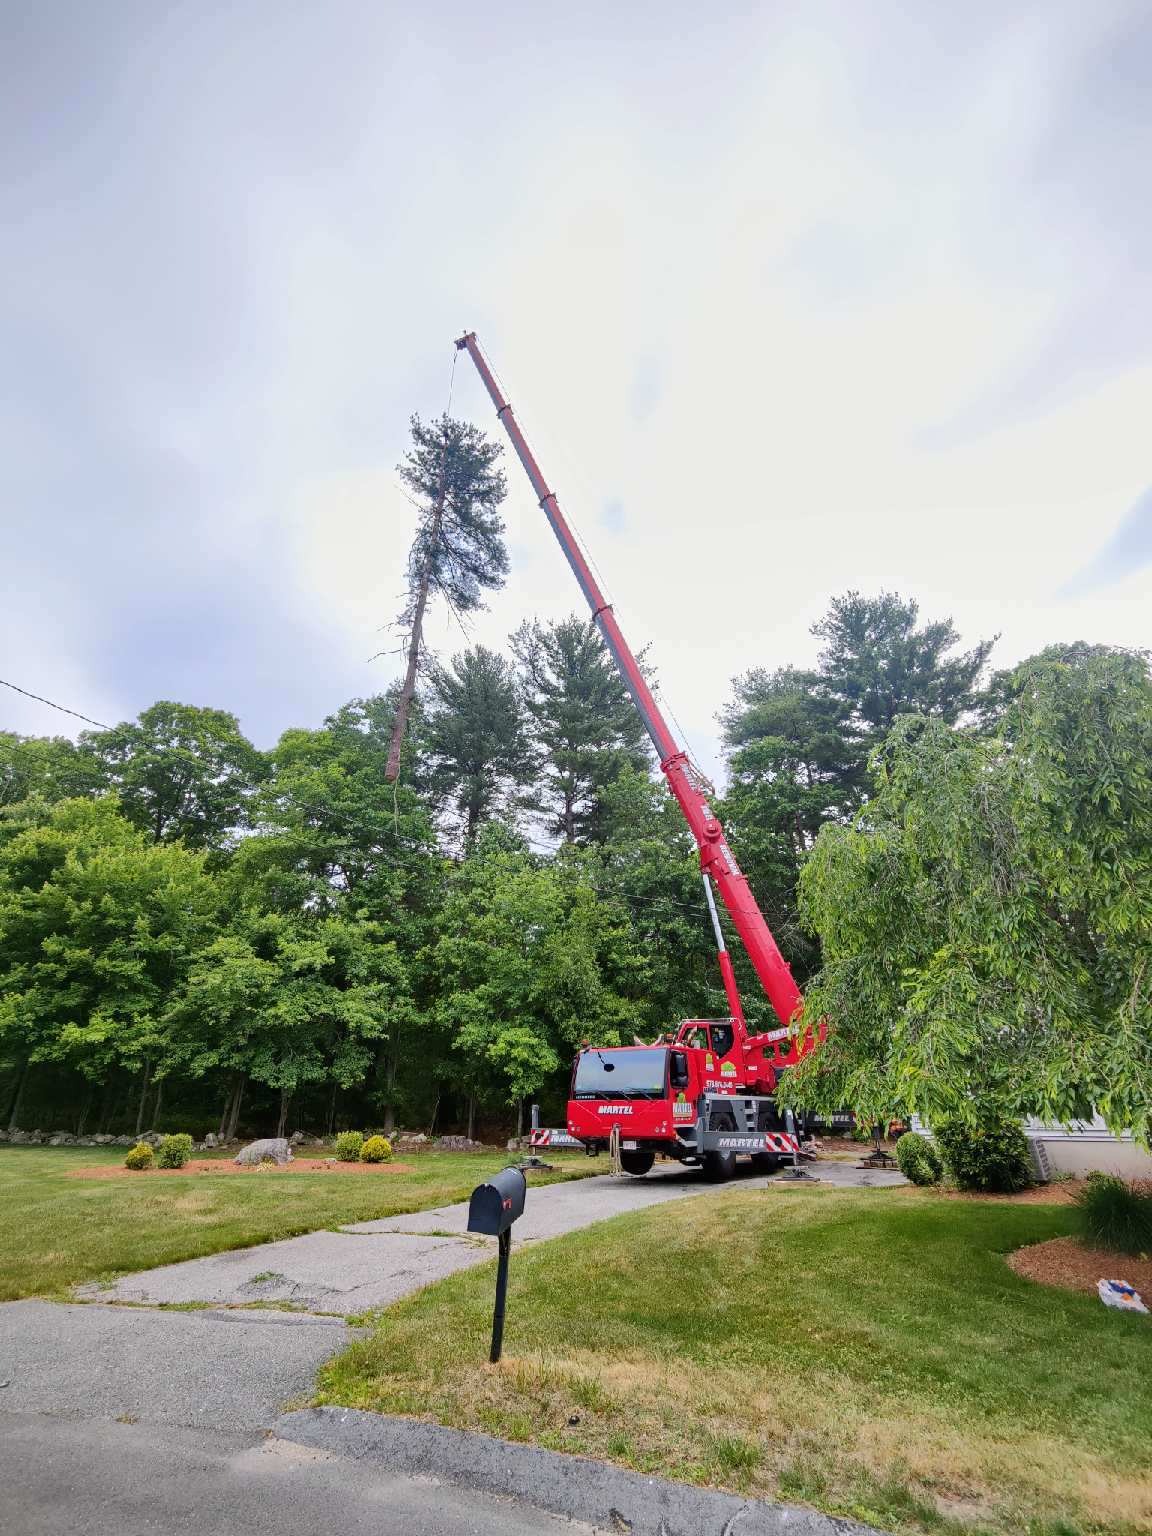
[371, 1264]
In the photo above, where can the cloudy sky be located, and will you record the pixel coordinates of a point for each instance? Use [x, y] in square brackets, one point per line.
[791, 297]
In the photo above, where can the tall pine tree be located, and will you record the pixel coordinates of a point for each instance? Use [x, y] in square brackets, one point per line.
[477, 737]
[458, 551]
[584, 721]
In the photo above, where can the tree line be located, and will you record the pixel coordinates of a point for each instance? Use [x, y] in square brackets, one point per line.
[194, 930]
[415, 912]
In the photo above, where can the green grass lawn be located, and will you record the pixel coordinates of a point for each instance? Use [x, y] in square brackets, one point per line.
[57, 1231]
[868, 1352]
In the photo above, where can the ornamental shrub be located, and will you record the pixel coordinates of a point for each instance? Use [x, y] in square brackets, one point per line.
[140, 1157]
[991, 1156]
[918, 1159]
[174, 1151]
[348, 1145]
[1114, 1214]
[377, 1149]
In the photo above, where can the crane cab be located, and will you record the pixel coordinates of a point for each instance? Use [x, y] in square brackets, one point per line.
[698, 1096]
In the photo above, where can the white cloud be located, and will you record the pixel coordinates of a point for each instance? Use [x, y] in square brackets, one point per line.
[759, 278]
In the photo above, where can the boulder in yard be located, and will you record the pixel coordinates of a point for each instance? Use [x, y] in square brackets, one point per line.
[274, 1147]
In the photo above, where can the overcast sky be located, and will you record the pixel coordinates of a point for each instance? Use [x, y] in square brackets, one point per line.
[790, 298]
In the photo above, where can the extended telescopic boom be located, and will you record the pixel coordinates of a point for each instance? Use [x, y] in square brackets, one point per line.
[715, 856]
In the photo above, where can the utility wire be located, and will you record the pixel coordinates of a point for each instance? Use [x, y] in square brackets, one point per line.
[64, 710]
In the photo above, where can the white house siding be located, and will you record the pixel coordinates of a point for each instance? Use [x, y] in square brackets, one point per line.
[1085, 1146]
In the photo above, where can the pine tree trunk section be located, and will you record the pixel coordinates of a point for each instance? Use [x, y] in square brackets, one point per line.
[285, 1097]
[471, 1117]
[234, 1109]
[17, 1097]
[143, 1097]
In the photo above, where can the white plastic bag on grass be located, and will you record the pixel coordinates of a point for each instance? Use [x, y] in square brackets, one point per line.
[1118, 1293]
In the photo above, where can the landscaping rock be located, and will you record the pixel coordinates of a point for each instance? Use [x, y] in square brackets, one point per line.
[458, 1144]
[296, 1138]
[61, 1139]
[275, 1147]
[210, 1140]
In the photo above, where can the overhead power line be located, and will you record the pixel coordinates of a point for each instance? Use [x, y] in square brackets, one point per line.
[63, 708]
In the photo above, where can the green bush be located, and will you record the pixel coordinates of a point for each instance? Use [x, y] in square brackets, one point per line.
[990, 1156]
[1114, 1214]
[174, 1151]
[348, 1145]
[918, 1159]
[140, 1157]
[377, 1149]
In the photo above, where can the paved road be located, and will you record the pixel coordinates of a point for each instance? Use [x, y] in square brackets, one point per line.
[110, 1479]
[223, 1370]
[374, 1263]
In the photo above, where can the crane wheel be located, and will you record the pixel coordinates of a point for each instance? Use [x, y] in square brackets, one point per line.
[718, 1166]
[637, 1163]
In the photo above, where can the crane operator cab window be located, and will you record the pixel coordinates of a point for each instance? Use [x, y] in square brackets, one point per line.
[723, 1038]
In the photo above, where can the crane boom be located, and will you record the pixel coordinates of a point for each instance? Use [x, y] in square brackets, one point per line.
[716, 858]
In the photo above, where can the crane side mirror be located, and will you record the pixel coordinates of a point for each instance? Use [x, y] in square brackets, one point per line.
[678, 1071]
[496, 1205]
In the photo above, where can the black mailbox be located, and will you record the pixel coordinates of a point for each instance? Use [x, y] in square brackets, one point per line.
[496, 1205]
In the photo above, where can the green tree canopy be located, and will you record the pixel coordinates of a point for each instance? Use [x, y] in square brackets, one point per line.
[530, 960]
[44, 768]
[880, 665]
[181, 772]
[98, 928]
[585, 723]
[478, 745]
[986, 923]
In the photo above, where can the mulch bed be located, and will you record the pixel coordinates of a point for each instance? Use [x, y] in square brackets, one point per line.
[1065, 1262]
[1063, 1193]
[226, 1165]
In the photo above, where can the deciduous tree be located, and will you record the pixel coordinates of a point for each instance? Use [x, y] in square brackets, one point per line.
[181, 772]
[986, 923]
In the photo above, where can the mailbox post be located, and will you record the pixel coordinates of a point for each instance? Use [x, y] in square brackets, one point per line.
[492, 1210]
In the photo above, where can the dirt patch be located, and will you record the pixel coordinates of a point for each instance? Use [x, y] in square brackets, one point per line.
[225, 1165]
[1063, 1193]
[1064, 1262]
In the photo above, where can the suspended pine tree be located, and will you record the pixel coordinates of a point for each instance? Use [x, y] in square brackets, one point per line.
[458, 552]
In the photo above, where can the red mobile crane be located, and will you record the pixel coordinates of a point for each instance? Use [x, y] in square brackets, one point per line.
[705, 1094]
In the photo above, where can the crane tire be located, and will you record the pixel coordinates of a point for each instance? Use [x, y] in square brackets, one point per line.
[719, 1167]
[637, 1163]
